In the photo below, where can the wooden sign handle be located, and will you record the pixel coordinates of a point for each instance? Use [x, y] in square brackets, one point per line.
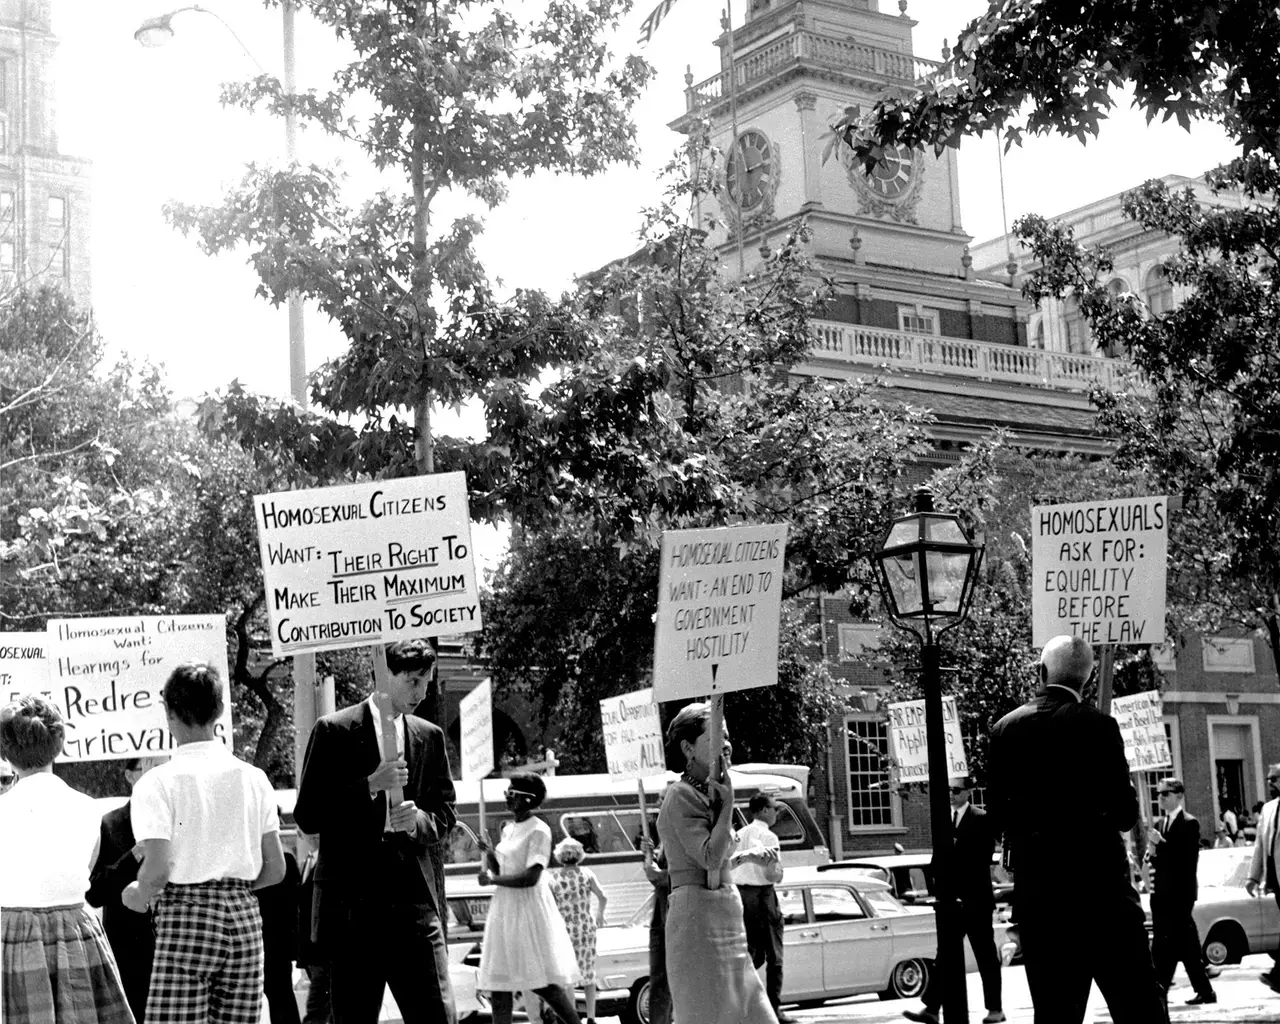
[644, 824]
[386, 716]
[716, 727]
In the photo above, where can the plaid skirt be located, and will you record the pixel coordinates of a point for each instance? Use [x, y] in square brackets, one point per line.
[58, 968]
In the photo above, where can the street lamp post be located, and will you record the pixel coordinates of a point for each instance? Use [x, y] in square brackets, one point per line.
[311, 698]
[927, 567]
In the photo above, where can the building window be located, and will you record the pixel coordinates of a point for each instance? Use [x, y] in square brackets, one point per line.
[1159, 290]
[6, 212]
[1151, 779]
[58, 262]
[871, 803]
[917, 320]
[858, 638]
[7, 257]
[969, 734]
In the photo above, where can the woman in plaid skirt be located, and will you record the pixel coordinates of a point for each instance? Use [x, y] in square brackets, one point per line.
[58, 967]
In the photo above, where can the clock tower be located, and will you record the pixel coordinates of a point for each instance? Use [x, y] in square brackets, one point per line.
[798, 66]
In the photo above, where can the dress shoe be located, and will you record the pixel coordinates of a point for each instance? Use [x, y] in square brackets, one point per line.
[921, 1016]
[1198, 1000]
[994, 1017]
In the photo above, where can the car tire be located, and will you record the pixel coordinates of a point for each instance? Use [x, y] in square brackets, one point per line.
[637, 1008]
[908, 980]
[1225, 944]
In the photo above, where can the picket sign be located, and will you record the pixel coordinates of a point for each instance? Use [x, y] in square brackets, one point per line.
[632, 731]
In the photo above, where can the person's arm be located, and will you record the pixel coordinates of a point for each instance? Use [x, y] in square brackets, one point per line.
[272, 872]
[1119, 802]
[153, 874]
[705, 847]
[539, 853]
[431, 820]
[330, 786]
[604, 900]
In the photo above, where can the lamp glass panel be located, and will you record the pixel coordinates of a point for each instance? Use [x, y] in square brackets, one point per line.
[905, 532]
[903, 574]
[947, 572]
[945, 530]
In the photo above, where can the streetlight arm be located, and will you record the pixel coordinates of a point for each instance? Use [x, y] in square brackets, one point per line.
[159, 28]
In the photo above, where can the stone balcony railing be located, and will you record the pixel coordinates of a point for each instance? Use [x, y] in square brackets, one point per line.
[875, 346]
[815, 50]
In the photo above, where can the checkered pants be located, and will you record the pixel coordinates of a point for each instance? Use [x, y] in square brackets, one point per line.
[208, 965]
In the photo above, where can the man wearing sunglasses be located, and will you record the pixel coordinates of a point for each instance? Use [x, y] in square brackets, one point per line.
[1175, 851]
[1263, 866]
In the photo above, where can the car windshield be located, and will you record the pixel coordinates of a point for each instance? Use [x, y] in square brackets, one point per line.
[883, 902]
[1228, 868]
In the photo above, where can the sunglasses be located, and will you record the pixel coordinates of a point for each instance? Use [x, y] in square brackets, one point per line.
[1164, 792]
[8, 780]
[959, 789]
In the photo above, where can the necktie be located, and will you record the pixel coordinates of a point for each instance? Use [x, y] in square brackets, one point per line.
[955, 820]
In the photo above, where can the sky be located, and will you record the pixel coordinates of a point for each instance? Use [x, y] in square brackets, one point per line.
[150, 121]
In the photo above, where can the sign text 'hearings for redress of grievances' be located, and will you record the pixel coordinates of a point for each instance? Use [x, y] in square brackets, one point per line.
[719, 598]
[368, 563]
[1098, 570]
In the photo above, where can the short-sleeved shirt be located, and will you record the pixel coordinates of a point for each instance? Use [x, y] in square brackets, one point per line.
[754, 837]
[48, 832]
[213, 808]
[523, 844]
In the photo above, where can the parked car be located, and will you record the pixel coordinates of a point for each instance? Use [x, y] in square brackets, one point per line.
[844, 934]
[911, 876]
[1232, 924]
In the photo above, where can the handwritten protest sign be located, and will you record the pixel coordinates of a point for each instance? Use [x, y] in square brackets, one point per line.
[476, 726]
[367, 563]
[1146, 744]
[719, 598]
[632, 736]
[1098, 570]
[24, 666]
[909, 740]
[106, 675]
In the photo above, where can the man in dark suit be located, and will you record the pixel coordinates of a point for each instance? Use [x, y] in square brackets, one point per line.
[378, 902]
[1175, 852]
[966, 892]
[131, 935]
[1266, 858]
[1058, 790]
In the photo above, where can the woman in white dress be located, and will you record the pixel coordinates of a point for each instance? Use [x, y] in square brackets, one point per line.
[526, 945]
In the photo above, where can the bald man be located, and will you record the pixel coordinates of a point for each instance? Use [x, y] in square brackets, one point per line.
[1058, 790]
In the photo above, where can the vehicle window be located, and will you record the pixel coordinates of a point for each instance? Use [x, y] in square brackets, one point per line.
[999, 876]
[883, 903]
[788, 828]
[1228, 868]
[791, 901]
[459, 849]
[918, 881]
[835, 903]
[603, 831]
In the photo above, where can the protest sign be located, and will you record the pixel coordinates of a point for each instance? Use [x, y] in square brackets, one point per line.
[24, 666]
[367, 563]
[632, 736]
[909, 740]
[106, 676]
[1146, 744]
[1098, 570]
[476, 726]
[719, 598]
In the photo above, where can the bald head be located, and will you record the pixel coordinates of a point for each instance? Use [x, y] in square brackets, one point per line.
[1067, 661]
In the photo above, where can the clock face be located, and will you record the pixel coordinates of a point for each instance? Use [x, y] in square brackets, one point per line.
[750, 170]
[892, 175]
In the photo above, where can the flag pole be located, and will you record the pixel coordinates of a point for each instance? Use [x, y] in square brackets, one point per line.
[727, 25]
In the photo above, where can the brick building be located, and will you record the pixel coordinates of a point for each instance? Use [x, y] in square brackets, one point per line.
[44, 194]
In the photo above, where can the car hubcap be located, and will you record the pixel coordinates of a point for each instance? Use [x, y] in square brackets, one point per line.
[1216, 952]
[910, 978]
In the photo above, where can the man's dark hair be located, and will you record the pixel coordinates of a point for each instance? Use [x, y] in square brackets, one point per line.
[758, 803]
[1174, 785]
[193, 694]
[414, 656]
[31, 732]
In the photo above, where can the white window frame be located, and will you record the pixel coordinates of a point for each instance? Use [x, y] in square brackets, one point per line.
[855, 638]
[895, 804]
[1152, 778]
[919, 312]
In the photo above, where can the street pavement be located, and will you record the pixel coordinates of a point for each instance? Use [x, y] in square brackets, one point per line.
[1241, 998]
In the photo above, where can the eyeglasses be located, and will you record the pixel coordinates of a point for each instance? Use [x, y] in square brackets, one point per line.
[959, 789]
[1164, 792]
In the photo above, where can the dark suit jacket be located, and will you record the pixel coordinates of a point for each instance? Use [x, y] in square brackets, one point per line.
[131, 936]
[1059, 792]
[969, 874]
[334, 803]
[1173, 864]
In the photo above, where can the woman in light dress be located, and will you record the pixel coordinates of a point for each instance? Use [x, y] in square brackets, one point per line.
[709, 969]
[58, 967]
[526, 945]
[572, 886]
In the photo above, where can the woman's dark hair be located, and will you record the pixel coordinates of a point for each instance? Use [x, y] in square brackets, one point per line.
[193, 694]
[31, 733]
[529, 784]
[690, 723]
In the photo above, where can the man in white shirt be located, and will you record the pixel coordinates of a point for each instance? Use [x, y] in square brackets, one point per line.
[756, 869]
[1263, 867]
[208, 832]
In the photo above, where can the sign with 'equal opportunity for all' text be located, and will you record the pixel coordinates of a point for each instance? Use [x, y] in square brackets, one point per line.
[367, 563]
[1098, 570]
[719, 598]
[105, 676]
[632, 736]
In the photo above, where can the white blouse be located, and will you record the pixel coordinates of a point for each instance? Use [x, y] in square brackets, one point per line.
[50, 838]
